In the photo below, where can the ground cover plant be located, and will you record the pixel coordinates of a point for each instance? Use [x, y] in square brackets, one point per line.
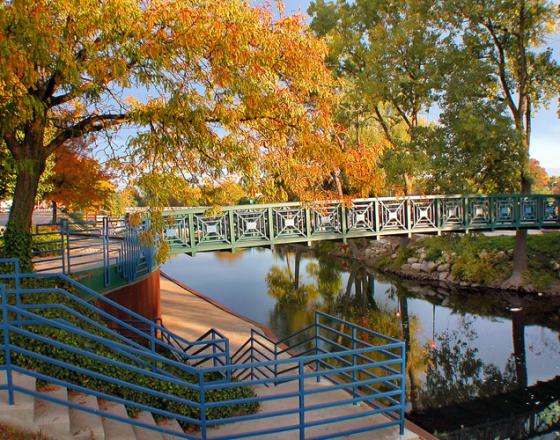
[87, 343]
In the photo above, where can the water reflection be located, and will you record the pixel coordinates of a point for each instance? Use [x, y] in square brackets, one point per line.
[471, 361]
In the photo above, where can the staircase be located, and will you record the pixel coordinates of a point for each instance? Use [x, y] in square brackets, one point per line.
[331, 379]
[63, 422]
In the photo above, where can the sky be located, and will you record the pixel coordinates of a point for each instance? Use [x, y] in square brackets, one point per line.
[545, 139]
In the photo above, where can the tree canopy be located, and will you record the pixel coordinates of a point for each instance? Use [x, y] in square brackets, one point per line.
[205, 87]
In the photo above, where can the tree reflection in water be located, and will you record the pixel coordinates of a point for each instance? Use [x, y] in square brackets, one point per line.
[297, 302]
[455, 373]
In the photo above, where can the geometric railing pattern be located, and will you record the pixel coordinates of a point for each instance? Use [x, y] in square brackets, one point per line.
[193, 230]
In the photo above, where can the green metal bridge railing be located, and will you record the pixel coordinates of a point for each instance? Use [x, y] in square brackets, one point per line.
[191, 230]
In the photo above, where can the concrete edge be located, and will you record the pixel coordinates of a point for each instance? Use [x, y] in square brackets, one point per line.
[423, 434]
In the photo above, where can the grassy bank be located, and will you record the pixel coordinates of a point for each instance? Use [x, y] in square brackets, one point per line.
[479, 259]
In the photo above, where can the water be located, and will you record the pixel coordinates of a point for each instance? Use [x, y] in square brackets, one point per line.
[490, 364]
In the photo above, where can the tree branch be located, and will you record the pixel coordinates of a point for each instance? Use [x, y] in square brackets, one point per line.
[90, 124]
[384, 126]
[502, 68]
[12, 143]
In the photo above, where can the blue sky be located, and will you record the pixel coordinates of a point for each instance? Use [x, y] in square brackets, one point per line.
[545, 140]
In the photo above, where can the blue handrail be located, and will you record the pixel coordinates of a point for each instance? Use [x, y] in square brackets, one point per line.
[338, 352]
[73, 246]
[153, 334]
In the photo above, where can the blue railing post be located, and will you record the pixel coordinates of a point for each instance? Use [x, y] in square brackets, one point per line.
[403, 395]
[66, 231]
[301, 389]
[62, 260]
[202, 399]
[153, 344]
[214, 351]
[6, 330]
[317, 362]
[105, 241]
[275, 363]
[252, 358]
[354, 361]
[228, 361]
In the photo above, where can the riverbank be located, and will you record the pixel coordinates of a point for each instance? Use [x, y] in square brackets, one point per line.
[463, 261]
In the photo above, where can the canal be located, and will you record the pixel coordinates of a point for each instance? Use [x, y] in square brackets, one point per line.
[479, 365]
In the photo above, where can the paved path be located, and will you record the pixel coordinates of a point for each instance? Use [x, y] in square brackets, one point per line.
[190, 316]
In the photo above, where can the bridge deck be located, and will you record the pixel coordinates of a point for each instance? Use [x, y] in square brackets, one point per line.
[192, 230]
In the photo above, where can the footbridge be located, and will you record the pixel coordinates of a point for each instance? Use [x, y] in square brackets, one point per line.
[109, 253]
[201, 229]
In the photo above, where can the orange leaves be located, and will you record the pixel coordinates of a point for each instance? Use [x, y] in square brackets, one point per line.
[78, 181]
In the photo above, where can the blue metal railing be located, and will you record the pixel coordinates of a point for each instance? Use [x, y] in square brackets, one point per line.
[73, 246]
[355, 365]
[351, 363]
[131, 329]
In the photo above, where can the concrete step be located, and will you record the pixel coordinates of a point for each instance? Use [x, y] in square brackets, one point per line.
[115, 430]
[24, 404]
[84, 425]
[143, 433]
[172, 425]
[348, 410]
[52, 418]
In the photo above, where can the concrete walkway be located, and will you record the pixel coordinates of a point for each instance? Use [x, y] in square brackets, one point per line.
[190, 314]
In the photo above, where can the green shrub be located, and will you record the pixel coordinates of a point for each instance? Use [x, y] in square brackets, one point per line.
[17, 244]
[433, 254]
[404, 254]
[85, 343]
[46, 245]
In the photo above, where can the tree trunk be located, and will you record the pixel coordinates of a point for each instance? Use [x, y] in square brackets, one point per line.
[54, 213]
[297, 267]
[18, 232]
[520, 258]
[408, 184]
[405, 323]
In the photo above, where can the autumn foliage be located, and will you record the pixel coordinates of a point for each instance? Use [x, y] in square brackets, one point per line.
[78, 182]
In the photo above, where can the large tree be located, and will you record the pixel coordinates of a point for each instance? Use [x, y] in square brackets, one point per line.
[218, 87]
[391, 55]
[510, 37]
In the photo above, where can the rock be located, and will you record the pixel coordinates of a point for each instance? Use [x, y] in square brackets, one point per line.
[393, 256]
[412, 260]
[445, 302]
[443, 268]
[406, 267]
[556, 266]
[501, 255]
[464, 284]
[428, 266]
[483, 254]
[423, 255]
[443, 276]
[416, 266]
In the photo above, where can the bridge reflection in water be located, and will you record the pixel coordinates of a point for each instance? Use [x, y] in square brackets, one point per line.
[199, 229]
